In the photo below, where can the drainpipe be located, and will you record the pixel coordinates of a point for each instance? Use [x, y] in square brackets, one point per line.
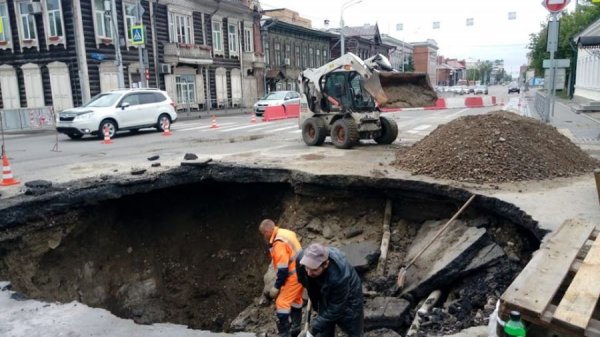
[264, 30]
[82, 66]
[154, 41]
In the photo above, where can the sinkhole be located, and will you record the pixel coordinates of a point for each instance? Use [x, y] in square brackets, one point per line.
[183, 246]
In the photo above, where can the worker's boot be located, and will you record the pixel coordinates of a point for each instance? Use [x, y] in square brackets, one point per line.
[283, 325]
[296, 316]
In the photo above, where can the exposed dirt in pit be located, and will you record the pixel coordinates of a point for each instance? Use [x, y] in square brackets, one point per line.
[182, 255]
[496, 147]
[192, 255]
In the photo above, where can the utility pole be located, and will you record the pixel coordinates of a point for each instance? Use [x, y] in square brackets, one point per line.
[142, 68]
[112, 6]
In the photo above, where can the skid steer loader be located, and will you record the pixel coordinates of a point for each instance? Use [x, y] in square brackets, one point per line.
[341, 99]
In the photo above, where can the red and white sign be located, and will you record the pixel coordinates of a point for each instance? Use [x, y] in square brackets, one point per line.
[147, 73]
[555, 6]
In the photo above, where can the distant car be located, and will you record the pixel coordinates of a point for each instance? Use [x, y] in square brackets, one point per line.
[276, 98]
[471, 89]
[481, 89]
[513, 87]
[124, 109]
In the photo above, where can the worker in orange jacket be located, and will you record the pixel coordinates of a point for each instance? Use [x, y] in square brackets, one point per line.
[287, 291]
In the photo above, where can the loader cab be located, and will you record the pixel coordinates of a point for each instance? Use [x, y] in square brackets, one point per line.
[343, 91]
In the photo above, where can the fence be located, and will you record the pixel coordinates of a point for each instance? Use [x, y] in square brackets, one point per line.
[27, 118]
[541, 104]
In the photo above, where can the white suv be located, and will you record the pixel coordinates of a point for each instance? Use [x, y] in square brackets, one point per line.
[118, 110]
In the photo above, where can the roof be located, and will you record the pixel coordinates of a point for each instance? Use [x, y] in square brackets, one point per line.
[587, 42]
[455, 64]
[367, 31]
[299, 29]
[591, 30]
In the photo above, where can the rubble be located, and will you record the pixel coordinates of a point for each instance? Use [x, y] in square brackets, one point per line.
[497, 147]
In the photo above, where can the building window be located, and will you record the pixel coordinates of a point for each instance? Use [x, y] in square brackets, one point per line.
[287, 51]
[310, 58]
[248, 45]
[318, 55]
[129, 10]
[103, 29]
[267, 56]
[304, 62]
[186, 89]
[325, 59]
[233, 40]
[54, 13]
[217, 34]
[180, 28]
[5, 34]
[27, 22]
[277, 54]
[297, 55]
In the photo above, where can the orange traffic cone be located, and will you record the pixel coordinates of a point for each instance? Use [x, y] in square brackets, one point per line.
[214, 123]
[106, 137]
[253, 120]
[166, 128]
[7, 177]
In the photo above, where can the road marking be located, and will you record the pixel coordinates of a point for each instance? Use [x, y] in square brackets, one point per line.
[200, 127]
[453, 116]
[422, 127]
[239, 128]
[284, 128]
[295, 131]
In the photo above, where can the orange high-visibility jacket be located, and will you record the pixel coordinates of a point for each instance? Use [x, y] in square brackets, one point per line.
[284, 249]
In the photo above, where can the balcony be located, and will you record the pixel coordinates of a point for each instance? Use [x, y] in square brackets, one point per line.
[187, 53]
[256, 61]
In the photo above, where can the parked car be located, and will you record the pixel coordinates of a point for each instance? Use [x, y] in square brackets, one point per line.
[124, 109]
[481, 89]
[514, 87]
[276, 98]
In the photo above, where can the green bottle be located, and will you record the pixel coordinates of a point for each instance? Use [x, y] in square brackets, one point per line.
[514, 327]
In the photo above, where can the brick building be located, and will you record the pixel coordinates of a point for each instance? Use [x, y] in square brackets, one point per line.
[425, 58]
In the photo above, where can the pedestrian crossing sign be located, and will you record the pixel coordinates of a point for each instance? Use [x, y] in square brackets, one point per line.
[137, 35]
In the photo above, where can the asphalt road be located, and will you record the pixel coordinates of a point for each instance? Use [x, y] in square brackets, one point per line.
[32, 157]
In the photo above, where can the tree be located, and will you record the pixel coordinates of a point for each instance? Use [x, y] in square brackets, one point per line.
[410, 66]
[571, 24]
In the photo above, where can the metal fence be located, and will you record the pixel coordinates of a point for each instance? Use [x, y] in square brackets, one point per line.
[541, 104]
[27, 118]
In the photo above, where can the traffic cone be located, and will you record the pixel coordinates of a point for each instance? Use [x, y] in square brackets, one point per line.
[106, 137]
[166, 128]
[253, 120]
[7, 177]
[214, 123]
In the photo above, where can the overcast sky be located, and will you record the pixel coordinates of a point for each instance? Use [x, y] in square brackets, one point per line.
[492, 36]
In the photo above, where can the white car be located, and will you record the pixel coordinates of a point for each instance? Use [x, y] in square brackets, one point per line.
[276, 98]
[118, 110]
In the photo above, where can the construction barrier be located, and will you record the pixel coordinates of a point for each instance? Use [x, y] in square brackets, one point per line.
[27, 118]
[280, 112]
[452, 103]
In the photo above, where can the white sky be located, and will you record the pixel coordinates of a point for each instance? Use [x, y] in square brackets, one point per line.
[491, 37]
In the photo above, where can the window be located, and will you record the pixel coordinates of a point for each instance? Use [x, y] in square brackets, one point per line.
[217, 36]
[277, 53]
[310, 57]
[130, 18]
[5, 35]
[325, 59]
[186, 89]
[27, 22]
[248, 45]
[233, 41]
[318, 55]
[267, 56]
[297, 55]
[132, 99]
[180, 28]
[103, 28]
[287, 51]
[54, 18]
[304, 62]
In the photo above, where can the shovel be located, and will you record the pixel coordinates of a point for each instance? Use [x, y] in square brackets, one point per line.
[402, 273]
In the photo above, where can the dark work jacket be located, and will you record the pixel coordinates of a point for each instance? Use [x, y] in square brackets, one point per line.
[336, 294]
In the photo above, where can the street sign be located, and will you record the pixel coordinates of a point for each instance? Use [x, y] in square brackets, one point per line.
[137, 35]
[558, 63]
[1, 27]
[553, 27]
[147, 73]
[555, 6]
[97, 56]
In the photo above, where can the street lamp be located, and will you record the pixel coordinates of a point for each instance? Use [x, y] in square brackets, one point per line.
[344, 6]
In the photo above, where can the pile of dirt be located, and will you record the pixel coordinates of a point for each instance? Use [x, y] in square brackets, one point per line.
[496, 147]
[409, 95]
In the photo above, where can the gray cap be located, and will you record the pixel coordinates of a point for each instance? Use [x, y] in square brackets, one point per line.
[314, 255]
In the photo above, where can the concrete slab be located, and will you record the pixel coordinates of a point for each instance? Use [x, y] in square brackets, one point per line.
[385, 312]
[361, 255]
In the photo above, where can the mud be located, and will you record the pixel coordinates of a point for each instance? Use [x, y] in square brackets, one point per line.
[182, 246]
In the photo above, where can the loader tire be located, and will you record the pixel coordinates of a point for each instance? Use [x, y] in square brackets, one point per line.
[344, 133]
[313, 131]
[389, 131]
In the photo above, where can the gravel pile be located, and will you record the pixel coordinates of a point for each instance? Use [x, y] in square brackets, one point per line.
[497, 147]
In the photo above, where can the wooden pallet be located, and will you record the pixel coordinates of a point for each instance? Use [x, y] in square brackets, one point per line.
[559, 288]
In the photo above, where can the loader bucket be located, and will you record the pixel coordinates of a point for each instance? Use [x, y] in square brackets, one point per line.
[401, 90]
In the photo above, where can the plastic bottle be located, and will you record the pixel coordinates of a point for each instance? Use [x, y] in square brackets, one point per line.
[514, 327]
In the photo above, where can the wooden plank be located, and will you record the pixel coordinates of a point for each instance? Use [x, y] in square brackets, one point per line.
[535, 286]
[578, 303]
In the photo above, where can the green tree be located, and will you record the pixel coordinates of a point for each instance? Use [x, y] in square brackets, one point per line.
[410, 66]
[571, 24]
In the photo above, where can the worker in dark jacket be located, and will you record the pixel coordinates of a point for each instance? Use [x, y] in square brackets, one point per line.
[334, 289]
